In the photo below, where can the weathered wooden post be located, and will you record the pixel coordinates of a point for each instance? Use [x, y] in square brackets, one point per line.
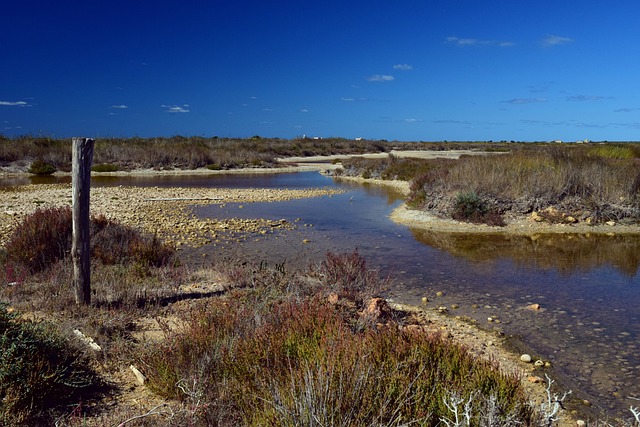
[82, 157]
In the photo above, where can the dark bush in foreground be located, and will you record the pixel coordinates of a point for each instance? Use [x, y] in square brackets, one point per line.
[39, 370]
[41, 239]
[44, 237]
[243, 360]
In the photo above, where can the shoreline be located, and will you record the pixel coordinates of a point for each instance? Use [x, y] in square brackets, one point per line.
[134, 207]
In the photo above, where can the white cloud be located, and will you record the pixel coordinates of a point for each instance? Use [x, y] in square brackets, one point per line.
[525, 100]
[120, 107]
[403, 67]
[14, 103]
[304, 110]
[580, 98]
[413, 120]
[552, 40]
[175, 108]
[476, 42]
[353, 99]
[380, 78]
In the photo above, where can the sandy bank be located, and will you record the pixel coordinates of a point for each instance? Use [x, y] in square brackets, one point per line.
[522, 226]
[163, 211]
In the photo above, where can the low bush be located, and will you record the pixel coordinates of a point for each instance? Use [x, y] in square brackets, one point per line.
[40, 239]
[242, 360]
[44, 237]
[469, 207]
[105, 167]
[348, 276]
[39, 370]
[40, 167]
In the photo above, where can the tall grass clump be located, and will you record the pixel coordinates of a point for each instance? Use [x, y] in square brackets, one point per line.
[570, 179]
[301, 361]
[39, 370]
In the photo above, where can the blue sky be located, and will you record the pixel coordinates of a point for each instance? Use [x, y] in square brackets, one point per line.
[395, 70]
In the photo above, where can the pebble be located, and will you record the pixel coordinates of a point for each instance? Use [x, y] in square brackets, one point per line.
[526, 358]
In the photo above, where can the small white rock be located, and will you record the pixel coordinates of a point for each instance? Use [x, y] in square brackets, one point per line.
[526, 358]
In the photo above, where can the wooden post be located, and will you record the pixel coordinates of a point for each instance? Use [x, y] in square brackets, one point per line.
[82, 157]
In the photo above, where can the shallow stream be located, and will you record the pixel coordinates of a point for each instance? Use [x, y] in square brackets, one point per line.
[587, 286]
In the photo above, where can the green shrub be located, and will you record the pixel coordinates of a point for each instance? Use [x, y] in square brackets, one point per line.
[105, 167]
[612, 151]
[470, 207]
[39, 370]
[40, 167]
[301, 363]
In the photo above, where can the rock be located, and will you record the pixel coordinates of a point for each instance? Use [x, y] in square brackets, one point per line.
[333, 298]
[425, 300]
[87, 340]
[439, 294]
[455, 306]
[377, 310]
[442, 309]
[526, 358]
[580, 423]
[539, 363]
[610, 223]
[535, 380]
[140, 378]
[534, 307]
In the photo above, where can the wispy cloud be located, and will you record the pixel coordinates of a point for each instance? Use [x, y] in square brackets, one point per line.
[304, 110]
[552, 40]
[403, 67]
[120, 107]
[458, 41]
[626, 110]
[14, 103]
[451, 122]
[412, 120]
[583, 98]
[525, 100]
[353, 99]
[176, 108]
[380, 78]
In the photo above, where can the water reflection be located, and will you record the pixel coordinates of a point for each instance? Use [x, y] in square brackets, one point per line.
[566, 253]
[589, 286]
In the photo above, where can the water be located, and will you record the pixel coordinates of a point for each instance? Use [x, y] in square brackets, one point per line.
[588, 287]
[224, 180]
